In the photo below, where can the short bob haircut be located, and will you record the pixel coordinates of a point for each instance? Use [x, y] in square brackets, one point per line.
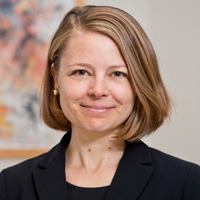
[152, 103]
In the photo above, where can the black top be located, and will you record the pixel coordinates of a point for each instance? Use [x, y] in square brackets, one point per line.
[84, 193]
[143, 173]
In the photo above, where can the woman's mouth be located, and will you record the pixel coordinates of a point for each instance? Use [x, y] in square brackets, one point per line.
[98, 109]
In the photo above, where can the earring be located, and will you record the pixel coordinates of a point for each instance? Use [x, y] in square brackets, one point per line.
[55, 92]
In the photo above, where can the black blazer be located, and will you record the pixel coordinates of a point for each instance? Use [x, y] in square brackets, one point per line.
[143, 174]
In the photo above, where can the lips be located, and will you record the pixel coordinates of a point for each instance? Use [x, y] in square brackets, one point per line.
[97, 108]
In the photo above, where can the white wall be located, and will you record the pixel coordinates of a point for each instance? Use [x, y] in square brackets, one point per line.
[174, 29]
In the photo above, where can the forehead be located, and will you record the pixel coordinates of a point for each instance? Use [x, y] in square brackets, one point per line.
[89, 39]
[91, 47]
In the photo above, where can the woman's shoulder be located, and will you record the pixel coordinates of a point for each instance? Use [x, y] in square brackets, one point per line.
[41, 161]
[175, 168]
[160, 158]
[18, 176]
[25, 167]
[177, 172]
[156, 158]
[164, 165]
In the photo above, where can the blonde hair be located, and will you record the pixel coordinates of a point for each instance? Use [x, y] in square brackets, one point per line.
[152, 104]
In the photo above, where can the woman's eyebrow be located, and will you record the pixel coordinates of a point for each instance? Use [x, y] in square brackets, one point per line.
[81, 64]
[90, 66]
[117, 66]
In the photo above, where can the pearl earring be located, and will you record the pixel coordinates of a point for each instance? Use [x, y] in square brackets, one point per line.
[55, 92]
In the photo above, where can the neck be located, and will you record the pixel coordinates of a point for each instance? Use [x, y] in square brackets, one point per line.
[94, 151]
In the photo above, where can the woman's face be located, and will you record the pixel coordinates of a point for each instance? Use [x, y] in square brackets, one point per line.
[95, 93]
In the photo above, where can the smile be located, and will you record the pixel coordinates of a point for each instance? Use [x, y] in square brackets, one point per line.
[99, 109]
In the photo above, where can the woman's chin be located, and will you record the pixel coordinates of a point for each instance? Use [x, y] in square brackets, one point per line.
[97, 127]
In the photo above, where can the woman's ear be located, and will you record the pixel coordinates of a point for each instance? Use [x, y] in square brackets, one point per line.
[55, 77]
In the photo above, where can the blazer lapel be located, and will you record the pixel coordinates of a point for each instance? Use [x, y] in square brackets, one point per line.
[130, 178]
[50, 185]
[132, 173]
[50, 180]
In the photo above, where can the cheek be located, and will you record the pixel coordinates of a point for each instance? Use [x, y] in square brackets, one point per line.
[71, 91]
[124, 95]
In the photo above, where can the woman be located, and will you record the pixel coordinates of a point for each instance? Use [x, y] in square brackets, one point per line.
[103, 86]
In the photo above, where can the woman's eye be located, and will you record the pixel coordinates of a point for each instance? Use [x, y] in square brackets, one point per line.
[118, 74]
[81, 72]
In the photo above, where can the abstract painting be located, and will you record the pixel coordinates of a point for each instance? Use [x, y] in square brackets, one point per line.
[26, 29]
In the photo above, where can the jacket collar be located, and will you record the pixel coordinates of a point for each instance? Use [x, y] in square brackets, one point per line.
[50, 179]
[132, 174]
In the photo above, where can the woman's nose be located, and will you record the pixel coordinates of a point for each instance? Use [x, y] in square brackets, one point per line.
[98, 88]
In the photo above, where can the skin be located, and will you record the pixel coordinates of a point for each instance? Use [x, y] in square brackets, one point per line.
[96, 97]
